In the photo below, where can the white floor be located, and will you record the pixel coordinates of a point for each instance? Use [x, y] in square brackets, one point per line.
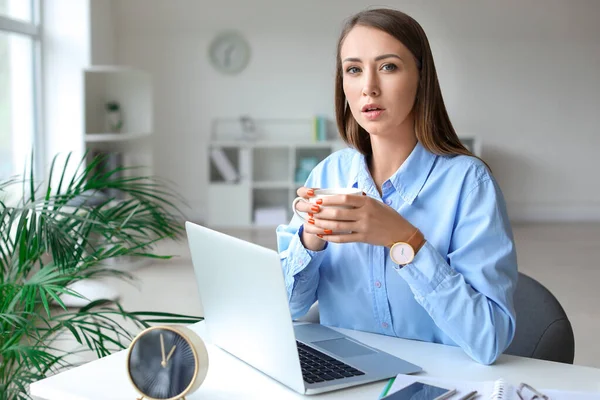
[563, 257]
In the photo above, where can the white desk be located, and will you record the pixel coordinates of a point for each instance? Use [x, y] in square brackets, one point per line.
[229, 378]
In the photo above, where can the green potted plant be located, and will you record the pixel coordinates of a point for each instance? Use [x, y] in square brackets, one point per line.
[52, 238]
[114, 117]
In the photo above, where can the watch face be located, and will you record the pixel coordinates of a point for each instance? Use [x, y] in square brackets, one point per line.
[402, 253]
[162, 364]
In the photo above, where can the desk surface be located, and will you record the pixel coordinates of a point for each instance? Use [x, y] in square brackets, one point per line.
[228, 378]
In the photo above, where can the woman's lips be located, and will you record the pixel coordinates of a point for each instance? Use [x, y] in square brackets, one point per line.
[373, 115]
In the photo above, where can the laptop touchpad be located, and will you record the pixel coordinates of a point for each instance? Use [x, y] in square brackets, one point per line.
[343, 347]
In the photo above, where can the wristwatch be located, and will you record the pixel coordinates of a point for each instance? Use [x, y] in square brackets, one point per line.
[403, 253]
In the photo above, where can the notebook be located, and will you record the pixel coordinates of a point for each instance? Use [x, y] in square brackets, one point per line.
[488, 390]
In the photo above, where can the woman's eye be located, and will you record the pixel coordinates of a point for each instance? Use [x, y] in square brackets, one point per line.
[352, 70]
[389, 67]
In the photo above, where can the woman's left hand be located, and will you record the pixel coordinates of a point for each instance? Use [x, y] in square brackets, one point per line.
[369, 220]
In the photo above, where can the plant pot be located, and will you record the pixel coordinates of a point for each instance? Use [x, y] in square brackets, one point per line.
[114, 121]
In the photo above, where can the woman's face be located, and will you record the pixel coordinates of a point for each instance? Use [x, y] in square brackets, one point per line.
[380, 80]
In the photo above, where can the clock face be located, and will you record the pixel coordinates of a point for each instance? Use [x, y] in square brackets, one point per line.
[229, 52]
[402, 253]
[162, 364]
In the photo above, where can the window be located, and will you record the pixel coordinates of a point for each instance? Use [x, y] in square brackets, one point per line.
[19, 84]
[21, 10]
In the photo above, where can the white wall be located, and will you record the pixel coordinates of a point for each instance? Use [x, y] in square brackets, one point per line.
[522, 74]
[102, 32]
[65, 52]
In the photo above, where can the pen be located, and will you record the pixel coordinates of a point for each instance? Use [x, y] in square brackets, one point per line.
[446, 395]
[469, 396]
[387, 387]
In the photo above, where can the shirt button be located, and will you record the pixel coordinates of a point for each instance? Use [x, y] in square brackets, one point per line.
[378, 284]
[388, 202]
[385, 325]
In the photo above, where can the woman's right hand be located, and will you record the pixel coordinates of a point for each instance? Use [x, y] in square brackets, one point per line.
[309, 238]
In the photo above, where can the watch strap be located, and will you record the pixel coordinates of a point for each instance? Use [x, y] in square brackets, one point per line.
[418, 241]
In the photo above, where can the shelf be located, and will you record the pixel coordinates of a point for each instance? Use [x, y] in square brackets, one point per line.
[225, 184]
[274, 144]
[270, 207]
[132, 145]
[129, 87]
[113, 69]
[114, 137]
[272, 185]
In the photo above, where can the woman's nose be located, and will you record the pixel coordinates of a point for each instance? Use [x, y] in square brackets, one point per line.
[371, 87]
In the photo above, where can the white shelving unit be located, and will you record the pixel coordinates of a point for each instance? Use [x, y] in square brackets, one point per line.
[132, 146]
[132, 89]
[265, 183]
[265, 169]
[265, 158]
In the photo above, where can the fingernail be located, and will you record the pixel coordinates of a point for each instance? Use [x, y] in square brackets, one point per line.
[321, 236]
[311, 221]
[315, 208]
[328, 231]
[319, 201]
[311, 215]
[310, 192]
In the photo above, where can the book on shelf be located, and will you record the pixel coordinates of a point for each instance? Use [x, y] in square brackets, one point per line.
[223, 165]
[319, 128]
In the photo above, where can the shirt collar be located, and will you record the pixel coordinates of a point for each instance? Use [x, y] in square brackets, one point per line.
[408, 180]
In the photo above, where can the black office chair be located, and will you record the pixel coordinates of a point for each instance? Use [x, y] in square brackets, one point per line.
[543, 329]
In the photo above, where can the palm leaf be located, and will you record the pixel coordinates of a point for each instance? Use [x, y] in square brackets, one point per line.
[54, 237]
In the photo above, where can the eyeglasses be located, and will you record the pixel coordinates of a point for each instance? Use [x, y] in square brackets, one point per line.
[527, 392]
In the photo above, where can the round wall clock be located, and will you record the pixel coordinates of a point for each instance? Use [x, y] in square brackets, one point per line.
[229, 52]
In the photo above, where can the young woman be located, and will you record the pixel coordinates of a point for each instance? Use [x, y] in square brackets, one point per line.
[431, 255]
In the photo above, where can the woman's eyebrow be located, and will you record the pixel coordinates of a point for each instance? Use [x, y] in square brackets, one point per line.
[378, 58]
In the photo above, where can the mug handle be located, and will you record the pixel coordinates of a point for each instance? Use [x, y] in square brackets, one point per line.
[296, 200]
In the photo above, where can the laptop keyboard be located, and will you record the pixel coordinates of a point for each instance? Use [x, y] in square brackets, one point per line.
[319, 367]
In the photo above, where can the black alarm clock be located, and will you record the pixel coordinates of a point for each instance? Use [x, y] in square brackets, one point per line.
[167, 362]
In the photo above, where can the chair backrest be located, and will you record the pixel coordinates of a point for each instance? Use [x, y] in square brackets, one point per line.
[543, 329]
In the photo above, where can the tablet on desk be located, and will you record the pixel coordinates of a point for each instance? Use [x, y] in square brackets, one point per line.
[421, 391]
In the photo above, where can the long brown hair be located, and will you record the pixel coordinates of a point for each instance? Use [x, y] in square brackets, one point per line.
[432, 124]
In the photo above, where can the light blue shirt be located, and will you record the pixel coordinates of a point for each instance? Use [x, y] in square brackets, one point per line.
[459, 288]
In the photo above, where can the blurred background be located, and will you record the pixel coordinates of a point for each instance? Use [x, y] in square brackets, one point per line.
[232, 102]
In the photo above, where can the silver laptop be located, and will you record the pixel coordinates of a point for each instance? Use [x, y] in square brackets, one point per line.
[246, 311]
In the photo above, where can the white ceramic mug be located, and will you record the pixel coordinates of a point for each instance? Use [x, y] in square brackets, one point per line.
[321, 193]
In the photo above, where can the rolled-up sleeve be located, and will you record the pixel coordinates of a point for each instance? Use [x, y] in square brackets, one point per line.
[469, 295]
